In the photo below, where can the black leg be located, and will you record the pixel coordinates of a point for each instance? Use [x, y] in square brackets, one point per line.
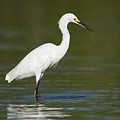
[36, 95]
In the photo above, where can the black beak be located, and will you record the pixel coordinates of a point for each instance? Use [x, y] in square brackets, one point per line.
[85, 26]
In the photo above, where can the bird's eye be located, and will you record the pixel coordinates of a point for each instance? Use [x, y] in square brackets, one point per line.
[75, 19]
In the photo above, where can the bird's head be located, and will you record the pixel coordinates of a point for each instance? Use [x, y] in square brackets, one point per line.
[69, 17]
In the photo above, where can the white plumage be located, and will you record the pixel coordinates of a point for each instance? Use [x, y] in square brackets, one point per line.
[44, 56]
[35, 63]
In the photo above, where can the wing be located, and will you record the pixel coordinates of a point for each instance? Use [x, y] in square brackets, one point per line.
[37, 60]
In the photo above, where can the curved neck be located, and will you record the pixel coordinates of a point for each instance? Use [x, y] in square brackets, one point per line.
[65, 38]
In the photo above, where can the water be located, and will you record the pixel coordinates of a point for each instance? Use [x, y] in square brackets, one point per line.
[85, 84]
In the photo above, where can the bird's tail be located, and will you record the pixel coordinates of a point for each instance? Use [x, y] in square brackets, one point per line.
[10, 76]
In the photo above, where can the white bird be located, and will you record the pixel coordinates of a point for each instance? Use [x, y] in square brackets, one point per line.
[45, 56]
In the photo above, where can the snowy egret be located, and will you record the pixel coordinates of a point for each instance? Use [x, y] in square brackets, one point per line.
[45, 56]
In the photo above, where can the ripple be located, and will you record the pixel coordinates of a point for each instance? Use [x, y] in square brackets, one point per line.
[11, 47]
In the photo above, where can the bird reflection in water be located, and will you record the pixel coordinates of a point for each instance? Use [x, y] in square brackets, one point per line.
[38, 111]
